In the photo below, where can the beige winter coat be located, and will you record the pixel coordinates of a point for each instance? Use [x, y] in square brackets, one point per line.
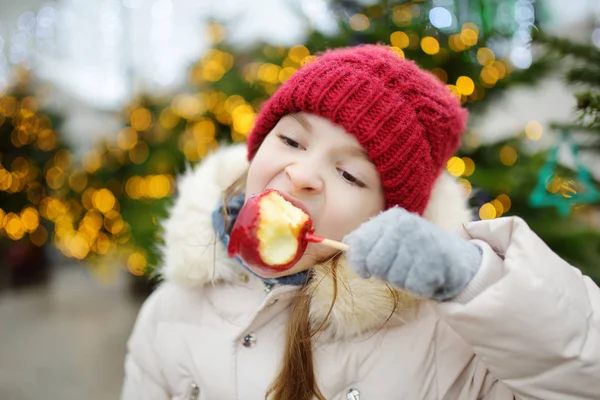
[527, 326]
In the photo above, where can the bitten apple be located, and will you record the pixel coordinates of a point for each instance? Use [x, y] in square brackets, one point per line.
[270, 231]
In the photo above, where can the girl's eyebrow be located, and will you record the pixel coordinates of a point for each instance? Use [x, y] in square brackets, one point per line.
[303, 121]
[356, 151]
[352, 150]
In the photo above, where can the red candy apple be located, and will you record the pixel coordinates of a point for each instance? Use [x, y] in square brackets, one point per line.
[270, 231]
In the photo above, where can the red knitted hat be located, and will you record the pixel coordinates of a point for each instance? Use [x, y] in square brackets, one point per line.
[404, 117]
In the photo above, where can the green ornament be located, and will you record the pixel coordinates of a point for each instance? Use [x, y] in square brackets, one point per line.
[542, 197]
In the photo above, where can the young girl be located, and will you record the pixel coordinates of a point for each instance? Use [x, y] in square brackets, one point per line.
[424, 305]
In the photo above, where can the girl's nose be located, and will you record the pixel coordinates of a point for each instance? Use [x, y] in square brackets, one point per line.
[304, 178]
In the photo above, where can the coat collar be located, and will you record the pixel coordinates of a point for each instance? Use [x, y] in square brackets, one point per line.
[192, 255]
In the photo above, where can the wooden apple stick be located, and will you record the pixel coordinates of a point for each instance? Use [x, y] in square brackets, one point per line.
[327, 242]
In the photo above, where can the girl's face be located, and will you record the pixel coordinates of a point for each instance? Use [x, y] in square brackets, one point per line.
[325, 169]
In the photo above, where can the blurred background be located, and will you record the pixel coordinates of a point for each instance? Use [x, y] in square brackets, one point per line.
[104, 102]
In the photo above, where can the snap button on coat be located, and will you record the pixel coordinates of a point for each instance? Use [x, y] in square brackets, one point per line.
[249, 340]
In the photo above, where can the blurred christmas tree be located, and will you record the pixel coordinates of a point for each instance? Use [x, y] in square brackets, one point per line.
[34, 166]
[129, 181]
[560, 203]
[584, 74]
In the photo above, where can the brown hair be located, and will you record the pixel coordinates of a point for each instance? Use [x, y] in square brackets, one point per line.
[296, 378]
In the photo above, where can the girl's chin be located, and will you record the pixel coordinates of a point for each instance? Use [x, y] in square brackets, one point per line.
[270, 273]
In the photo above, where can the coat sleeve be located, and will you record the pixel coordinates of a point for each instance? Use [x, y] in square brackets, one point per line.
[533, 319]
[143, 376]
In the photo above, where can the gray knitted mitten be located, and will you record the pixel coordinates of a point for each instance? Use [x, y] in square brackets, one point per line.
[413, 254]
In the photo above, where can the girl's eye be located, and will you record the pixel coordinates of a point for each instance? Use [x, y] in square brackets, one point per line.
[351, 179]
[289, 142]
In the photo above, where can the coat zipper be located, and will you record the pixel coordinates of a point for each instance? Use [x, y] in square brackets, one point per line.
[194, 392]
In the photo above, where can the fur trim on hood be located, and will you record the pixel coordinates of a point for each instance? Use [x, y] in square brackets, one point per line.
[191, 258]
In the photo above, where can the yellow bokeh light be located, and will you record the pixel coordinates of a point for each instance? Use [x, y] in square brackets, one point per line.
[6, 179]
[471, 26]
[465, 85]
[430, 45]
[127, 138]
[533, 130]
[158, 186]
[8, 106]
[298, 53]
[489, 76]
[399, 39]
[13, 226]
[286, 73]
[190, 151]
[243, 119]
[232, 102]
[113, 222]
[136, 263]
[30, 218]
[78, 246]
[469, 37]
[307, 59]
[250, 69]
[78, 181]
[224, 58]
[401, 15]
[116, 226]
[29, 106]
[18, 138]
[398, 51]
[55, 177]
[455, 166]
[22, 168]
[441, 74]
[467, 187]
[133, 187]
[46, 140]
[508, 155]
[485, 56]
[268, 72]
[215, 32]
[86, 198]
[505, 201]
[140, 119]
[39, 237]
[498, 206]
[93, 219]
[92, 161]
[454, 90]
[487, 211]
[51, 208]
[168, 119]
[500, 68]
[103, 200]
[204, 130]
[187, 105]
[455, 43]
[359, 22]
[16, 183]
[63, 159]
[139, 153]
[102, 244]
[469, 166]
[212, 71]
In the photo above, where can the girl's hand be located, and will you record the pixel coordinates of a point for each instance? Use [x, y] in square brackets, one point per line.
[413, 254]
